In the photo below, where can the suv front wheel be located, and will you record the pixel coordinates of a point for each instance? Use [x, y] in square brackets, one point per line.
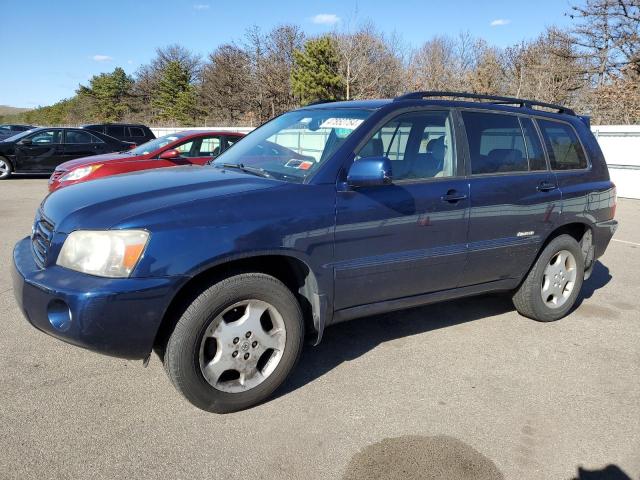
[553, 284]
[236, 343]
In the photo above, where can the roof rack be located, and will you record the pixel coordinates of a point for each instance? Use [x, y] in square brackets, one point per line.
[493, 99]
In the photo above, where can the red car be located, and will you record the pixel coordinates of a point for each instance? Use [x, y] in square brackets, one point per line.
[182, 148]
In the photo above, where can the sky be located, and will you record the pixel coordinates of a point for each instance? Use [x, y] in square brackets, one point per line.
[50, 47]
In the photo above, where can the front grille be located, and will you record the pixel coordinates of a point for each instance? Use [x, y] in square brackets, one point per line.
[41, 239]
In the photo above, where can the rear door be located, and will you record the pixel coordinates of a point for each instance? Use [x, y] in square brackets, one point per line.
[81, 143]
[407, 238]
[515, 199]
[44, 152]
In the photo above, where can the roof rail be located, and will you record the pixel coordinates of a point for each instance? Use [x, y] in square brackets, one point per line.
[493, 99]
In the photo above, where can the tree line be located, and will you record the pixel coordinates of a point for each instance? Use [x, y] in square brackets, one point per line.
[592, 66]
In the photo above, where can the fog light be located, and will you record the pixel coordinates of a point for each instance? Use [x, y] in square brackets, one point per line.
[59, 315]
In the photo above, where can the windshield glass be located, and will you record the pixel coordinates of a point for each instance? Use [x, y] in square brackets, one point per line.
[153, 145]
[294, 145]
[18, 136]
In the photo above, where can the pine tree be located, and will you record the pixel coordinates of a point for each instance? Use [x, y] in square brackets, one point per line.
[175, 97]
[109, 95]
[315, 71]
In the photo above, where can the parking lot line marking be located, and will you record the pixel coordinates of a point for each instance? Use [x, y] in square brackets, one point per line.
[626, 241]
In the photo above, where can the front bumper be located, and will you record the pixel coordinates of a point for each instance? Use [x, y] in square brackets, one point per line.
[118, 317]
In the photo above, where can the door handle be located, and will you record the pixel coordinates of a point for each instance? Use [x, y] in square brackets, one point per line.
[546, 186]
[453, 196]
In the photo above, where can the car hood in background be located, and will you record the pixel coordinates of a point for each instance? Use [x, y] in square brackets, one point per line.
[93, 159]
[109, 201]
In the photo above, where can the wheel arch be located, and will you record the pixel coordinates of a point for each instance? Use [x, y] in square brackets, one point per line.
[290, 270]
[575, 229]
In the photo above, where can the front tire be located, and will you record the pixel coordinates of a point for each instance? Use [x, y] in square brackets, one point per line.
[553, 284]
[6, 169]
[236, 343]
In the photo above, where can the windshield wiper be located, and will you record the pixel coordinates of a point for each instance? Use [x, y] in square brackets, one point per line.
[261, 172]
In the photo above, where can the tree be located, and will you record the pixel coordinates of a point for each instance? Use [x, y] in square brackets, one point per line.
[108, 94]
[607, 36]
[315, 71]
[224, 90]
[370, 65]
[174, 99]
[148, 78]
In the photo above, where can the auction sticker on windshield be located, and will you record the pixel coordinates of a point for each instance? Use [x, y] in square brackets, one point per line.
[346, 123]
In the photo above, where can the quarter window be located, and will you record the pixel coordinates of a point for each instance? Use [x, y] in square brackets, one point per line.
[419, 145]
[565, 151]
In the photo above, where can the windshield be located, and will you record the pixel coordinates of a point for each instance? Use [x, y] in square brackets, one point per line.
[18, 136]
[153, 145]
[294, 145]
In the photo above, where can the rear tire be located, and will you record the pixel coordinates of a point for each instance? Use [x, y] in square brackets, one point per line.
[6, 169]
[235, 343]
[553, 284]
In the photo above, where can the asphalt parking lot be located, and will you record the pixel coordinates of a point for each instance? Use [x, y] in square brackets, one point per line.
[464, 389]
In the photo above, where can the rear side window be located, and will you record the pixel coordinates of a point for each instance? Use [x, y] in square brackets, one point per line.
[136, 132]
[115, 131]
[496, 143]
[564, 148]
[78, 137]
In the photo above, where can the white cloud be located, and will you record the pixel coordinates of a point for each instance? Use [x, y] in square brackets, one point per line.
[201, 6]
[325, 19]
[130, 62]
[498, 22]
[102, 58]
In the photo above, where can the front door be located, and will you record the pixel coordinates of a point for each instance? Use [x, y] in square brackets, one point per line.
[407, 238]
[41, 150]
[515, 199]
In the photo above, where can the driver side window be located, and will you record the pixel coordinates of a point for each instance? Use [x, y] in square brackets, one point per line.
[420, 145]
[46, 137]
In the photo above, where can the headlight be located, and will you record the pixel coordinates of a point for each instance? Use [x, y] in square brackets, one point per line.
[108, 253]
[79, 173]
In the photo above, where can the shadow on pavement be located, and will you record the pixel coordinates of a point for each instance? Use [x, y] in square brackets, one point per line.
[346, 341]
[349, 340]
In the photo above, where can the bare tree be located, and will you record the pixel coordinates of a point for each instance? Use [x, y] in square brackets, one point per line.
[370, 64]
[224, 89]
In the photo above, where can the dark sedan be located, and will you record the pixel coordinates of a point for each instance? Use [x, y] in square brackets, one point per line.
[41, 150]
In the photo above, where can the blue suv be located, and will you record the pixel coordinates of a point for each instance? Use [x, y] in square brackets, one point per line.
[324, 214]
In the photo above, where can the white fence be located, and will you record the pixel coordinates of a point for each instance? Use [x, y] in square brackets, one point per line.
[620, 144]
[621, 147]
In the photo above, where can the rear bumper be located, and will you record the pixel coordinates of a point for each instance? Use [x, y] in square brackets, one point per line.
[117, 317]
[602, 234]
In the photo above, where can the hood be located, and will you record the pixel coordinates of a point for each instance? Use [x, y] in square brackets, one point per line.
[110, 201]
[114, 157]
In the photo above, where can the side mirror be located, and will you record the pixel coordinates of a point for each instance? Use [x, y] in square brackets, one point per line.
[370, 172]
[172, 154]
[26, 141]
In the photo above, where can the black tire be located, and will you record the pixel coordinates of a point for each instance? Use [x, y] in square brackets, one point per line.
[528, 298]
[5, 172]
[181, 356]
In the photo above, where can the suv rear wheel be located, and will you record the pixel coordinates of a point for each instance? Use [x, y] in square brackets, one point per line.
[553, 284]
[236, 343]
